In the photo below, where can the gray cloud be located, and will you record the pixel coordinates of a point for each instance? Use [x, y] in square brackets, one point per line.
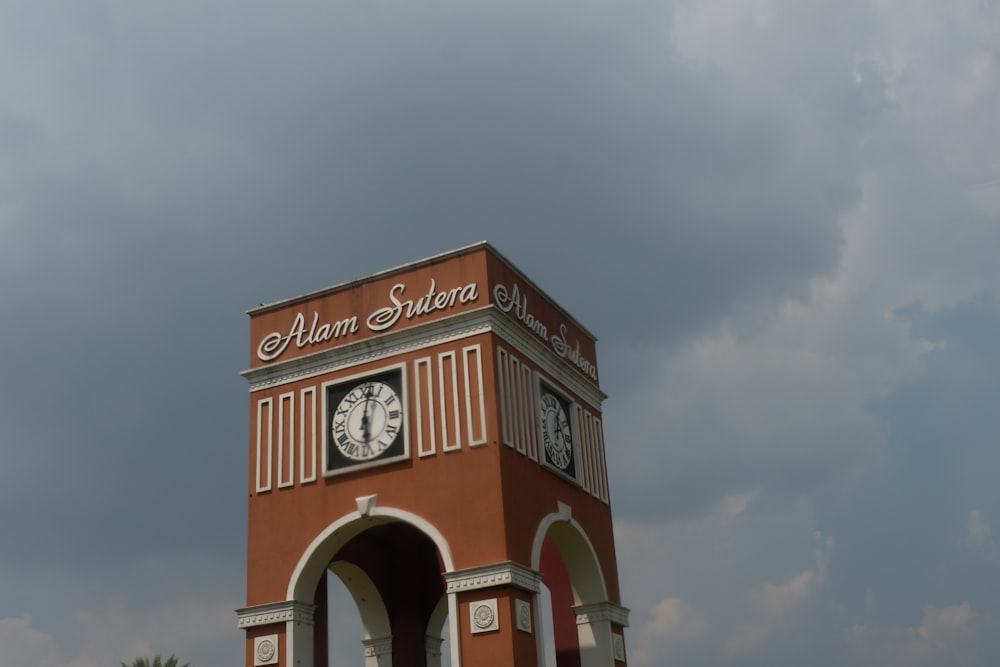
[745, 202]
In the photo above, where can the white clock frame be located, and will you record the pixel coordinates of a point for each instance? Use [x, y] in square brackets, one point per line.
[404, 432]
[547, 386]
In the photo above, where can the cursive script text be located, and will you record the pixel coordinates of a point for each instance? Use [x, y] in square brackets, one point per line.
[274, 344]
[383, 318]
[513, 302]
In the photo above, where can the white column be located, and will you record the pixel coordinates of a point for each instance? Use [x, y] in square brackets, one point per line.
[593, 625]
[378, 651]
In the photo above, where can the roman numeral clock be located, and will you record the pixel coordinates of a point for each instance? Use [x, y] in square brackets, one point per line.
[431, 438]
[366, 421]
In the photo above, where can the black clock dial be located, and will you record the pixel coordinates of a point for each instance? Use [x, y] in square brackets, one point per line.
[557, 432]
[365, 421]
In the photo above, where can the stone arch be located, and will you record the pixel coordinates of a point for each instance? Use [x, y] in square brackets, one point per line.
[314, 560]
[319, 556]
[434, 627]
[577, 552]
[586, 584]
[367, 599]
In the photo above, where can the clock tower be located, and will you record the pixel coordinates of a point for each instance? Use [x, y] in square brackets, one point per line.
[432, 436]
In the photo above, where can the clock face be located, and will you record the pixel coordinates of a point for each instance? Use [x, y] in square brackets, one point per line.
[365, 419]
[557, 434]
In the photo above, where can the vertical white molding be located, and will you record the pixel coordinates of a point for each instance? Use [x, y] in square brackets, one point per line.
[517, 400]
[448, 359]
[262, 405]
[286, 439]
[586, 452]
[299, 643]
[577, 424]
[529, 411]
[307, 435]
[594, 486]
[602, 470]
[428, 449]
[454, 636]
[503, 371]
[474, 441]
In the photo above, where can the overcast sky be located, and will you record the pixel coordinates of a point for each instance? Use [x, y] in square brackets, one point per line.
[781, 219]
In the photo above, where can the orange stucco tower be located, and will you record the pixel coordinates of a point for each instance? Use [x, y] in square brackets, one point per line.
[432, 436]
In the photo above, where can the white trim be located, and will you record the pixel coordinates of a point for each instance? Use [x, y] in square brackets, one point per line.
[480, 320]
[517, 369]
[564, 515]
[442, 385]
[286, 443]
[454, 635]
[602, 465]
[269, 403]
[377, 647]
[317, 556]
[508, 573]
[532, 396]
[427, 261]
[526, 411]
[425, 363]
[312, 554]
[308, 425]
[383, 346]
[602, 611]
[466, 352]
[432, 649]
[503, 372]
[587, 451]
[433, 633]
[546, 360]
[276, 612]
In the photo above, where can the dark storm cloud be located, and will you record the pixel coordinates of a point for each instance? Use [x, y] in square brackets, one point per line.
[730, 195]
[210, 168]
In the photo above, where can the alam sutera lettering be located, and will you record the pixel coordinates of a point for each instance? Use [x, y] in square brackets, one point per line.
[512, 301]
[274, 344]
[386, 317]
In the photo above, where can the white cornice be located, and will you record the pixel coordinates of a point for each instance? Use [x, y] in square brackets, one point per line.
[433, 259]
[276, 612]
[416, 337]
[456, 327]
[601, 611]
[542, 355]
[488, 576]
[377, 646]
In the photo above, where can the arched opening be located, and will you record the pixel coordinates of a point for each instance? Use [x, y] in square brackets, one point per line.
[438, 636]
[548, 657]
[572, 578]
[379, 598]
[344, 628]
[562, 616]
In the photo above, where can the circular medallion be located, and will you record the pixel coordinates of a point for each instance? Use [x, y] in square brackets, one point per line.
[265, 650]
[525, 616]
[483, 616]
